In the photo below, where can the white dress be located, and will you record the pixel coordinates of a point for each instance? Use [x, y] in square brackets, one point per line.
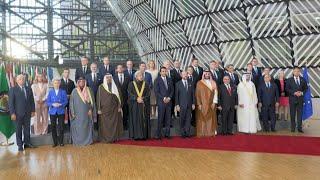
[154, 75]
[248, 116]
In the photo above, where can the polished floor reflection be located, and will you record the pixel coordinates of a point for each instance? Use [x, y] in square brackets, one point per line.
[106, 161]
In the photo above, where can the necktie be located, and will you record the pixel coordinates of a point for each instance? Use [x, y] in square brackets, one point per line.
[169, 73]
[24, 92]
[232, 76]
[229, 89]
[165, 82]
[215, 74]
[94, 77]
[297, 81]
[197, 70]
[121, 79]
[186, 85]
[130, 72]
[84, 70]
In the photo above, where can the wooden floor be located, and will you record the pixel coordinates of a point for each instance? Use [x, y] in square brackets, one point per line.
[107, 161]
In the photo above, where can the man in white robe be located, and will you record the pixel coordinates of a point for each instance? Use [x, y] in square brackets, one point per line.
[247, 113]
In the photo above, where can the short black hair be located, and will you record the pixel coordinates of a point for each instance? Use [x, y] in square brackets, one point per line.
[162, 67]
[142, 63]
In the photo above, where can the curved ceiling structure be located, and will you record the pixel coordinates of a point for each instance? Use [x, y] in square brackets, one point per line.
[280, 33]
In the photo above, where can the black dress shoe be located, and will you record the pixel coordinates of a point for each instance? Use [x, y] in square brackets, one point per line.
[273, 130]
[230, 134]
[54, 145]
[158, 138]
[300, 131]
[168, 137]
[20, 148]
[29, 146]
[61, 144]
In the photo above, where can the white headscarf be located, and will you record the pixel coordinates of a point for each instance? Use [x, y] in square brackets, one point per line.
[244, 77]
[114, 88]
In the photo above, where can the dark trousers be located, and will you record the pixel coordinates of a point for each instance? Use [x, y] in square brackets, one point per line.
[53, 118]
[125, 116]
[23, 124]
[296, 111]
[185, 120]
[227, 115]
[164, 118]
[268, 113]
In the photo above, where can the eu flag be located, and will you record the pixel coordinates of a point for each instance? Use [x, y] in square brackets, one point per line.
[307, 104]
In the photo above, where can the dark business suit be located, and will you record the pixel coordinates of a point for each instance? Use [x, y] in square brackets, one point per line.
[296, 103]
[216, 76]
[103, 70]
[94, 85]
[227, 101]
[256, 75]
[164, 110]
[131, 76]
[193, 82]
[185, 98]
[22, 105]
[268, 97]
[124, 96]
[233, 79]
[175, 76]
[81, 73]
[198, 76]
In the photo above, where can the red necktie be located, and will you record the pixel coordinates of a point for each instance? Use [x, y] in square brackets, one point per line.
[229, 90]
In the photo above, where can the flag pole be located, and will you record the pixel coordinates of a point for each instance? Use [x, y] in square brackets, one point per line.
[7, 143]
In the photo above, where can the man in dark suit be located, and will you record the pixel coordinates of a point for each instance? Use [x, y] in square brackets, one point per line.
[234, 78]
[122, 81]
[106, 67]
[129, 70]
[215, 72]
[147, 76]
[163, 89]
[266, 71]
[268, 97]
[94, 79]
[192, 80]
[68, 85]
[296, 86]
[84, 70]
[175, 72]
[198, 71]
[22, 108]
[256, 72]
[185, 103]
[228, 100]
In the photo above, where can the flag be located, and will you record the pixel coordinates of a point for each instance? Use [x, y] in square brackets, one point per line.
[7, 127]
[307, 110]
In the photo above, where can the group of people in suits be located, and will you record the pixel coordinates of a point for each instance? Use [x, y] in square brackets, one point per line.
[175, 92]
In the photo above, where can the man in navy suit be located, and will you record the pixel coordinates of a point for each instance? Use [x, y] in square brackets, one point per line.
[84, 70]
[296, 87]
[122, 81]
[68, 85]
[256, 72]
[185, 103]
[22, 108]
[94, 79]
[234, 78]
[106, 67]
[163, 89]
[227, 103]
[147, 76]
[197, 70]
[129, 70]
[268, 97]
[215, 72]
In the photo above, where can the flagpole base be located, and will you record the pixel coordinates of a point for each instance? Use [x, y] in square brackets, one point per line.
[7, 144]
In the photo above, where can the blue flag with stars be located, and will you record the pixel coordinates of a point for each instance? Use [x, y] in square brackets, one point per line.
[307, 104]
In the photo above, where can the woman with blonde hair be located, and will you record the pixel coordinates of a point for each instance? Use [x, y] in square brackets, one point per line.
[283, 108]
[152, 69]
[40, 93]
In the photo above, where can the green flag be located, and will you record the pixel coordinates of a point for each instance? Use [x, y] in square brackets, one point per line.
[6, 125]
